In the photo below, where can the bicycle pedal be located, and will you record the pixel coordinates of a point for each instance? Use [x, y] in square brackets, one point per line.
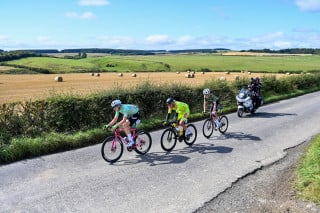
[130, 149]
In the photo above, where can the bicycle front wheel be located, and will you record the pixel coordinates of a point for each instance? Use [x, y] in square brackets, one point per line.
[191, 137]
[168, 139]
[224, 123]
[111, 149]
[208, 127]
[143, 142]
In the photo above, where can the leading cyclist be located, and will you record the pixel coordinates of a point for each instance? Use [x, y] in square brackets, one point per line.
[131, 116]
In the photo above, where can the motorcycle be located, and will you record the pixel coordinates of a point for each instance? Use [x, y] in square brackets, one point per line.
[245, 102]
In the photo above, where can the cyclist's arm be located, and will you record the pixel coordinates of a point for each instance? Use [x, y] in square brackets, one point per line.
[124, 119]
[204, 104]
[114, 120]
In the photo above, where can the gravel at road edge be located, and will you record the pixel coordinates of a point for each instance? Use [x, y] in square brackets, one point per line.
[267, 190]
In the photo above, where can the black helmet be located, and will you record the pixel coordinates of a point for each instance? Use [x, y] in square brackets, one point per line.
[170, 100]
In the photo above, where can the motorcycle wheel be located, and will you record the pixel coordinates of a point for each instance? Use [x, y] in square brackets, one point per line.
[240, 112]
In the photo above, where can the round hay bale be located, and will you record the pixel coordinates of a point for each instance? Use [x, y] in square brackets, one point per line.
[134, 75]
[188, 75]
[120, 74]
[97, 74]
[222, 78]
[58, 79]
[227, 72]
[237, 77]
[92, 74]
[249, 73]
[202, 73]
[288, 73]
[178, 72]
[192, 75]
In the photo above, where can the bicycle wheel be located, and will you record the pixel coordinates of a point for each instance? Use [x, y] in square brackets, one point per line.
[191, 138]
[168, 139]
[143, 142]
[224, 123]
[208, 127]
[111, 149]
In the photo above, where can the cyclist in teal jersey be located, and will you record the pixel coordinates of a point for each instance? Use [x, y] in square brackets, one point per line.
[131, 116]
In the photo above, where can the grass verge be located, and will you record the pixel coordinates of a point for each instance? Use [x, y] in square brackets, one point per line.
[307, 182]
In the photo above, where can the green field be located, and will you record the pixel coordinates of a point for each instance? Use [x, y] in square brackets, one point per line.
[194, 62]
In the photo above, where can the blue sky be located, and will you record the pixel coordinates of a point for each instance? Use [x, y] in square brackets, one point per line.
[159, 24]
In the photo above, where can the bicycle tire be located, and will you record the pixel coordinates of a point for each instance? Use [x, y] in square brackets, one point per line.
[208, 127]
[193, 138]
[168, 137]
[143, 142]
[224, 123]
[111, 149]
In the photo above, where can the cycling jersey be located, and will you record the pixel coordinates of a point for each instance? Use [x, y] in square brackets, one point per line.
[181, 109]
[127, 110]
[212, 98]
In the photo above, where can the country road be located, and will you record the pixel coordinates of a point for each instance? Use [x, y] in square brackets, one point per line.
[180, 181]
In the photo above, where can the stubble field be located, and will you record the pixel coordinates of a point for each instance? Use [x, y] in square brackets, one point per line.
[31, 87]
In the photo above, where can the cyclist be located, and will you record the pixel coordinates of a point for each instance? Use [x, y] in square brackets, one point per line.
[182, 112]
[214, 102]
[131, 116]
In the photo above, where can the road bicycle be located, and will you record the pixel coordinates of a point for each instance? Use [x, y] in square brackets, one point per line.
[113, 146]
[171, 134]
[209, 124]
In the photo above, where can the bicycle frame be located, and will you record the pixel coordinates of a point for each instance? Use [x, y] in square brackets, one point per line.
[117, 134]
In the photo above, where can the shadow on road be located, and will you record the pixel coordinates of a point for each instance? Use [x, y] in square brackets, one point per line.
[268, 115]
[156, 158]
[235, 135]
[206, 148]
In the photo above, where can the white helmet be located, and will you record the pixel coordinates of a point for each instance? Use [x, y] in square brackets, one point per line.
[206, 91]
[115, 103]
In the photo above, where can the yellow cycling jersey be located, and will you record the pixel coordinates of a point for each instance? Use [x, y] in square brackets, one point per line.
[180, 108]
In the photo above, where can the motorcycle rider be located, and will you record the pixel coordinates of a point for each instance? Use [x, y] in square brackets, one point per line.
[255, 91]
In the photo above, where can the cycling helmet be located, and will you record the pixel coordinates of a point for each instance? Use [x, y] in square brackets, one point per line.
[170, 100]
[206, 91]
[115, 103]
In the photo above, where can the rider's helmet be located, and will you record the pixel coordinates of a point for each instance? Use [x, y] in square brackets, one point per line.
[170, 100]
[115, 103]
[206, 91]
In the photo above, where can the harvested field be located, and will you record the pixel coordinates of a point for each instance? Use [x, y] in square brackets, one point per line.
[32, 87]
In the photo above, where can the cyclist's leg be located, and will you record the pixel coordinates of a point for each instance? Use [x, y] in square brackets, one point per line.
[126, 129]
[182, 121]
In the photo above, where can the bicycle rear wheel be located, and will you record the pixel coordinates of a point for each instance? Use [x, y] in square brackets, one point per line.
[190, 138]
[168, 139]
[111, 149]
[224, 123]
[208, 127]
[143, 142]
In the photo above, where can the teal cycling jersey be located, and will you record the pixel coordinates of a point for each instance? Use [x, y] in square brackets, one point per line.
[127, 110]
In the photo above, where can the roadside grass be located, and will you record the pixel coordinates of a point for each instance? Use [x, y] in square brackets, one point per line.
[307, 182]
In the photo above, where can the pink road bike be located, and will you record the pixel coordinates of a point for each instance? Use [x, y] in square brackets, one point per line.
[113, 146]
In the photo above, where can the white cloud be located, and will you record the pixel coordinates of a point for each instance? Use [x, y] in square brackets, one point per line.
[94, 2]
[85, 15]
[309, 5]
[158, 40]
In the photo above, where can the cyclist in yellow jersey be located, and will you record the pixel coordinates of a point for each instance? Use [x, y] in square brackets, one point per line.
[182, 112]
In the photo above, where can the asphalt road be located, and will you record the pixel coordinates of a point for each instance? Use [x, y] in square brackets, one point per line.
[180, 181]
